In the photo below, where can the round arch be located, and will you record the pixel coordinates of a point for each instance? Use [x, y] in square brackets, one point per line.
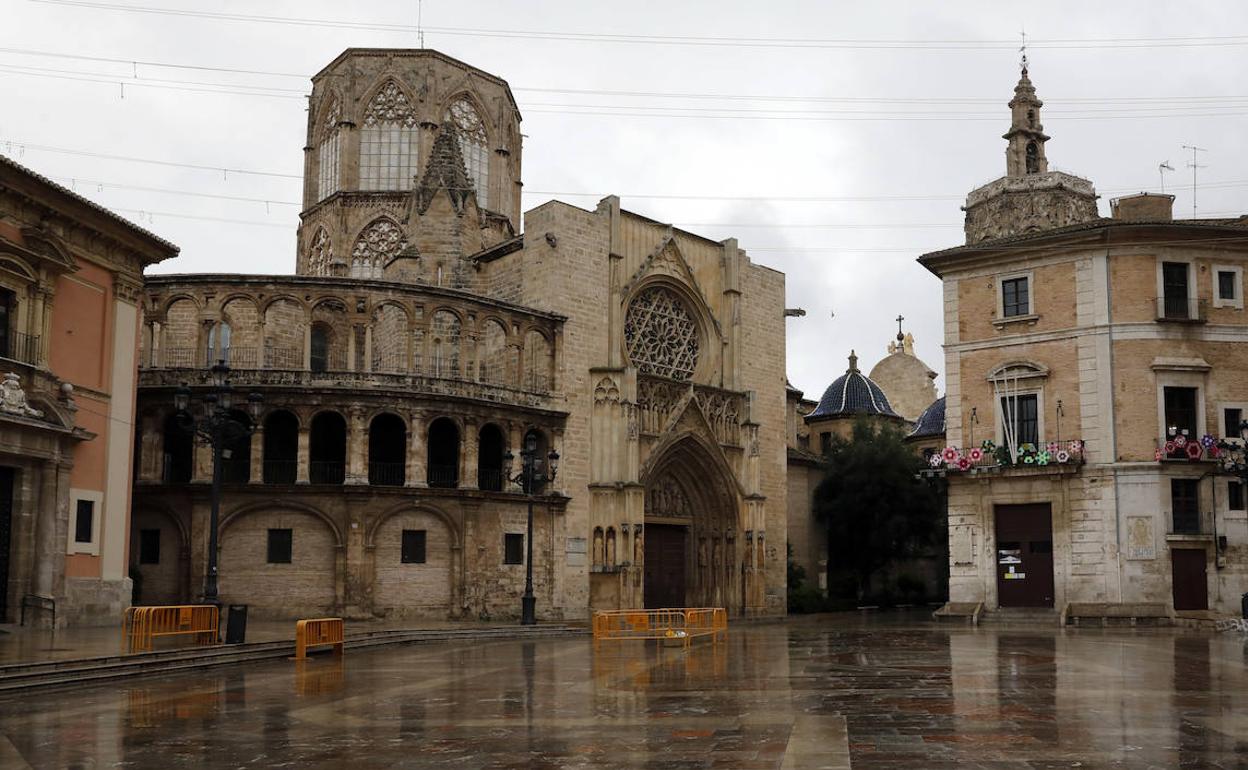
[452, 525]
[287, 505]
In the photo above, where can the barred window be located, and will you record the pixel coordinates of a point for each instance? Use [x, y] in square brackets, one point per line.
[473, 145]
[389, 140]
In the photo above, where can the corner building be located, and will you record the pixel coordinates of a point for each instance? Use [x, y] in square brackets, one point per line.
[421, 338]
[1092, 365]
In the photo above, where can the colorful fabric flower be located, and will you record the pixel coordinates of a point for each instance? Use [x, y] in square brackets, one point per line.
[1076, 447]
[1157, 455]
[975, 454]
[1029, 459]
[1028, 447]
[950, 454]
[1194, 450]
[1180, 441]
[1052, 447]
[1207, 441]
[989, 446]
[1061, 456]
[935, 460]
[1043, 458]
[1170, 446]
[964, 464]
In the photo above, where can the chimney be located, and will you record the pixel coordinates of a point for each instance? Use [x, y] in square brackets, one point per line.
[1153, 207]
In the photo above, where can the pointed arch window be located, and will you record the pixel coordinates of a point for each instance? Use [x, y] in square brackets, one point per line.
[473, 145]
[378, 244]
[388, 141]
[320, 253]
[327, 151]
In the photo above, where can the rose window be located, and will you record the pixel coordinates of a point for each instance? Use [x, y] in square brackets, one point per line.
[661, 335]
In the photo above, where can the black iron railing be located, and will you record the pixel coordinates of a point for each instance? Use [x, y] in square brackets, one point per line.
[327, 471]
[281, 471]
[443, 476]
[386, 474]
[490, 479]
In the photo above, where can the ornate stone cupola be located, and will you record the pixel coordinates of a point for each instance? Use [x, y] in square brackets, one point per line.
[1029, 197]
[1025, 152]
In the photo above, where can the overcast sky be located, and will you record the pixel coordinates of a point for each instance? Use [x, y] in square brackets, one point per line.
[883, 119]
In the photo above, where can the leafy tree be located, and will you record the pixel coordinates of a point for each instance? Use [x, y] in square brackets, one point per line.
[873, 503]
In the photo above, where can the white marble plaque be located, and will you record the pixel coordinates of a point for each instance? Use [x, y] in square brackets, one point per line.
[1141, 540]
[960, 545]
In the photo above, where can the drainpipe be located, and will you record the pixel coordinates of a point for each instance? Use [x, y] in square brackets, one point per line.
[1113, 427]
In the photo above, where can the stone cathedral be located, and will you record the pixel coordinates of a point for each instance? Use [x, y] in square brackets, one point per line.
[424, 335]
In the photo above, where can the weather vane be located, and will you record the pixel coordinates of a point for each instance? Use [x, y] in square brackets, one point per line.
[1023, 50]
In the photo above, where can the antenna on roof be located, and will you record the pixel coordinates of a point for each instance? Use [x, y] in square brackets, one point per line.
[1193, 166]
[420, 27]
[1162, 168]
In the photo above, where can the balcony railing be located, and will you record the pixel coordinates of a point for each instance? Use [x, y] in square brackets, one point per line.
[281, 471]
[1185, 448]
[1185, 522]
[238, 357]
[988, 455]
[1182, 309]
[178, 358]
[490, 479]
[283, 358]
[446, 476]
[327, 471]
[386, 474]
[21, 347]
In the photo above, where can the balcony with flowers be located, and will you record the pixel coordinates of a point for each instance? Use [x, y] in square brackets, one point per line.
[1182, 447]
[1047, 457]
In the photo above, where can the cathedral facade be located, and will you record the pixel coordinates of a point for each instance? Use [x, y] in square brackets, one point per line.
[421, 340]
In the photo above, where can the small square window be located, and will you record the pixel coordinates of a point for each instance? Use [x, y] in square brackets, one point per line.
[1015, 297]
[413, 547]
[1226, 284]
[1235, 495]
[84, 521]
[1232, 418]
[280, 542]
[149, 546]
[513, 549]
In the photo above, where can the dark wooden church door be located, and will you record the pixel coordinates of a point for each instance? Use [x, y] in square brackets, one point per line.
[665, 566]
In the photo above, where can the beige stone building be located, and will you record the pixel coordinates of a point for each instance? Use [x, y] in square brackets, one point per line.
[1092, 363]
[421, 338]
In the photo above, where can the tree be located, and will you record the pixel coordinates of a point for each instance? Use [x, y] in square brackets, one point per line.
[873, 503]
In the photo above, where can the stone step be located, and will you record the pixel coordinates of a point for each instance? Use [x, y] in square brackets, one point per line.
[1023, 616]
[62, 673]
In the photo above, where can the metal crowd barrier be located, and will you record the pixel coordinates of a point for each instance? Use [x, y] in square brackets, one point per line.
[141, 625]
[318, 632]
[684, 624]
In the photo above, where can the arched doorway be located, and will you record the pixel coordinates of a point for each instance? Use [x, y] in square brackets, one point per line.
[387, 450]
[690, 547]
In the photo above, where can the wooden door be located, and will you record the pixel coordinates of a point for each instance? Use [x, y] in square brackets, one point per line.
[665, 566]
[1024, 555]
[1190, 578]
[6, 536]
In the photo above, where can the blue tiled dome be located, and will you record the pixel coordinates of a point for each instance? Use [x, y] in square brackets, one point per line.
[852, 393]
[931, 422]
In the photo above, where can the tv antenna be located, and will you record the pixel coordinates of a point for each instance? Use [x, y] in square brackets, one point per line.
[1193, 166]
[420, 27]
[1162, 168]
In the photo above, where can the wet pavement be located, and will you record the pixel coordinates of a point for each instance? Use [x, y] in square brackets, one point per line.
[884, 690]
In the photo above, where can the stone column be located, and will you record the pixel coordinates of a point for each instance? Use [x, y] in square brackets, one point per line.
[368, 348]
[261, 363]
[201, 462]
[357, 448]
[257, 458]
[351, 349]
[307, 343]
[47, 549]
[417, 451]
[304, 455]
[468, 457]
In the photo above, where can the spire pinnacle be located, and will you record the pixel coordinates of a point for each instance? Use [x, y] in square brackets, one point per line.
[853, 362]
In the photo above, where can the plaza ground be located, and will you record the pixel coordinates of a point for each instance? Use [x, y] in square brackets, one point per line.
[867, 691]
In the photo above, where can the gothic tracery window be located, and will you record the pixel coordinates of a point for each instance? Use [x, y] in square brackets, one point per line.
[327, 151]
[388, 141]
[661, 335]
[473, 145]
[320, 253]
[379, 242]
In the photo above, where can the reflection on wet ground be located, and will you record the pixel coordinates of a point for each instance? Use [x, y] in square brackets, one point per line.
[880, 691]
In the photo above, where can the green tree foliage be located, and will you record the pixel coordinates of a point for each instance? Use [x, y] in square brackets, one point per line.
[873, 504]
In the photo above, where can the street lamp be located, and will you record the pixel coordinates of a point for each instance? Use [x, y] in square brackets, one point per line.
[530, 478]
[1234, 455]
[216, 427]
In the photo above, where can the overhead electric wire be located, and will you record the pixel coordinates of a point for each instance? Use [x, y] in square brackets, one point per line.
[691, 40]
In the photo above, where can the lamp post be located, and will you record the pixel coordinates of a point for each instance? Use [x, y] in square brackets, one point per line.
[217, 428]
[531, 476]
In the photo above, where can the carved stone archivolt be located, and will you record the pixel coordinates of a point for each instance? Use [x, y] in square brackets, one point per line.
[659, 400]
[661, 334]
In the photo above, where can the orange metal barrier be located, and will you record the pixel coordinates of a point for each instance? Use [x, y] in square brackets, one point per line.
[318, 632]
[684, 624]
[141, 625]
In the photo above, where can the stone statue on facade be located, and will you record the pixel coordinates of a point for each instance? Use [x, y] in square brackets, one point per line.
[13, 398]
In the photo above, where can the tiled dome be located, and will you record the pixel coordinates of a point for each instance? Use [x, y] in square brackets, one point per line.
[931, 422]
[852, 393]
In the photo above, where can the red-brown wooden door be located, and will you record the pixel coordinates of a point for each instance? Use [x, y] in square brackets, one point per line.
[1024, 555]
[665, 566]
[1189, 568]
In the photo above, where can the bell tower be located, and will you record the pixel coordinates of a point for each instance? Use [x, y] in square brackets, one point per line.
[1025, 152]
[1030, 197]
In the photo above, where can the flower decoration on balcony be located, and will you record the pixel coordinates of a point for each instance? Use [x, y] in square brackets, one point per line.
[1194, 451]
[1158, 455]
[1208, 442]
[1181, 447]
[1180, 441]
[989, 455]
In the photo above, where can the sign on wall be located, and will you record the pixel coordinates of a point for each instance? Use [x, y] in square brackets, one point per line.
[1141, 539]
